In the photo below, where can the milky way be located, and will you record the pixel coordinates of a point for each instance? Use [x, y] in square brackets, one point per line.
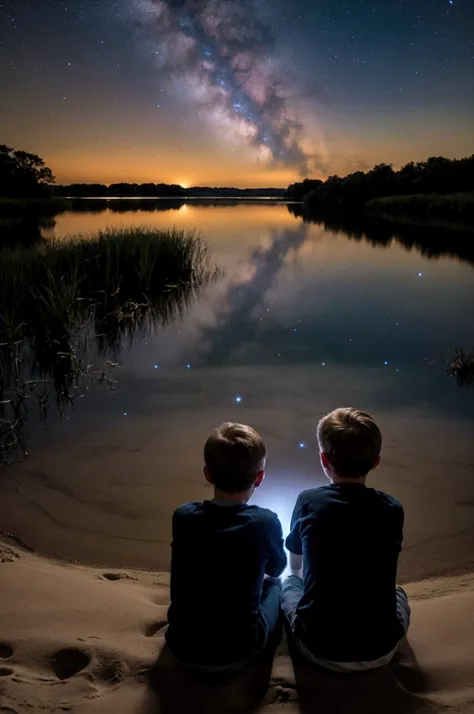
[221, 56]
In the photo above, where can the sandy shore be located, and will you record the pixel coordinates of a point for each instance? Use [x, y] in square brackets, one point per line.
[101, 489]
[84, 640]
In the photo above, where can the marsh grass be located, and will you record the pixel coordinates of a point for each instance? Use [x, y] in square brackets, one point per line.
[65, 301]
[462, 367]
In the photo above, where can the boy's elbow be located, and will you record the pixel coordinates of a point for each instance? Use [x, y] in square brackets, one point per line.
[277, 567]
[282, 564]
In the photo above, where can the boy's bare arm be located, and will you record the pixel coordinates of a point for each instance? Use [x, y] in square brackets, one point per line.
[296, 564]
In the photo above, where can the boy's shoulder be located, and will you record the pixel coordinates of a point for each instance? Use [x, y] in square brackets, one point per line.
[318, 494]
[201, 507]
[327, 495]
[186, 509]
[389, 500]
[265, 514]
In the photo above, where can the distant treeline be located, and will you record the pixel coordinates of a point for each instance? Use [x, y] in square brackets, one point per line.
[160, 190]
[437, 175]
[26, 176]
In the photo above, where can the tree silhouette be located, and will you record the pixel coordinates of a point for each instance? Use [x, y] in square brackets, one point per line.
[23, 175]
[436, 175]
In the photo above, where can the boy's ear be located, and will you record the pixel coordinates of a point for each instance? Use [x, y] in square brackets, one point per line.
[259, 479]
[325, 460]
[377, 461]
[207, 475]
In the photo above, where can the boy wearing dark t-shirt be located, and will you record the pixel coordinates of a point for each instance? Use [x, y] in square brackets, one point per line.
[223, 608]
[341, 601]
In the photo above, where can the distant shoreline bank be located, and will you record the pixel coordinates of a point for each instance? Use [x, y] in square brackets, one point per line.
[12, 206]
[386, 211]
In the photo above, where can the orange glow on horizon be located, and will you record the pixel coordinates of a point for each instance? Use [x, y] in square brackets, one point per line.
[74, 157]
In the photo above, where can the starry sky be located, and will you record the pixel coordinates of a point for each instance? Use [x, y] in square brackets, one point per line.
[235, 92]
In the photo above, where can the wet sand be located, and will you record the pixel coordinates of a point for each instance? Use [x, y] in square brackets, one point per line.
[101, 488]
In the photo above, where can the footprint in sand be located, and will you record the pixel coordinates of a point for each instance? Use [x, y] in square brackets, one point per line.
[5, 671]
[117, 576]
[154, 628]
[5, 651]
[7, 555]
[111, 670]
[68, 662]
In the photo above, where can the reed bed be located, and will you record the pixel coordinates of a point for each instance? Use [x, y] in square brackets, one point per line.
[64, 300]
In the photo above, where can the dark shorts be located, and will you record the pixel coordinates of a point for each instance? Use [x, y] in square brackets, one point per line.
[270, 608]
[293, 591]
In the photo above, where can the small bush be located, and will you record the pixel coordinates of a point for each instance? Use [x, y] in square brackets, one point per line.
[462, 366]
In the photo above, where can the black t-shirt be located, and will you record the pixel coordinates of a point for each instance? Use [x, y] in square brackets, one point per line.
[350, 537]
[220, 553]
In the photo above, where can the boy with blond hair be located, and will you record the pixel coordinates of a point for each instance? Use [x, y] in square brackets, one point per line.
[341, 600]
[223, 609]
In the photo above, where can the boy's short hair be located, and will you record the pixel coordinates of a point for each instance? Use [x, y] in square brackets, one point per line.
[351, 440]
[234, 454]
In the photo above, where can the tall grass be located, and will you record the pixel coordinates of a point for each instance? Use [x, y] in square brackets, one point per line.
[60, 299]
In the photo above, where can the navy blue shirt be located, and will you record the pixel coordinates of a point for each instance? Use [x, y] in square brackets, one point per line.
[350, 537]
[220, 553]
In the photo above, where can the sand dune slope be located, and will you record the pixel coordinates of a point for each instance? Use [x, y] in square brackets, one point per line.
[84, 640]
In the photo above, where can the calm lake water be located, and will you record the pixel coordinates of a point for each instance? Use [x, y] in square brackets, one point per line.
[302, 320]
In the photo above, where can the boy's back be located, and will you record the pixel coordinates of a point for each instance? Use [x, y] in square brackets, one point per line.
[220, 553]
[350, 537]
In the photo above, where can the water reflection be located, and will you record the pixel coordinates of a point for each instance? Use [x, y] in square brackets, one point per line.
[430, 241]
[239, 312]
[303, 320]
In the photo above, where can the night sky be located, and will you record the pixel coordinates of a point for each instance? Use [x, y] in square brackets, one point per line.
[235, 92]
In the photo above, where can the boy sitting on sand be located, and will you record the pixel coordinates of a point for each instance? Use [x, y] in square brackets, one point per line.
[222, 609]
[346, 612]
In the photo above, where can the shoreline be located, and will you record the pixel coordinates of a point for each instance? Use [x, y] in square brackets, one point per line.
[74, 495]
[10, 540]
